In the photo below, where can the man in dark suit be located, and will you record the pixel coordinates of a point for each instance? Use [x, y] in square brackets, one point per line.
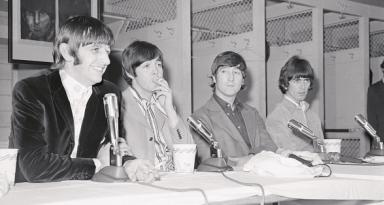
[375, 105]
[237, 127]
[58, 120]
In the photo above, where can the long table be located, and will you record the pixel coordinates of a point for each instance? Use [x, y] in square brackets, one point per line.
[349, 182]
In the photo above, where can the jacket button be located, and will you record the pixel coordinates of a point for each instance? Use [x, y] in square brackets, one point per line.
[150, 139]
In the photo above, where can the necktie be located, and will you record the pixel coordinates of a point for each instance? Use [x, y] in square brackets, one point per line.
[163, 156]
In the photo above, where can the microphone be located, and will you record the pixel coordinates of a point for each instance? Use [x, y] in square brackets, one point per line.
[364, 123]
[295, 125]
[201, 129]
[112, 114]
[115, 172]
[318, 144]
[377, 147]
[216, 163]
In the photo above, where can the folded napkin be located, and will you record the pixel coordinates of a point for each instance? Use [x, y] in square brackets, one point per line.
[267, 163]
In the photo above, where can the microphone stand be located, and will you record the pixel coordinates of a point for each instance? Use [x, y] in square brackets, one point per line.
[115, 172]
[377, 147]
[216, 163]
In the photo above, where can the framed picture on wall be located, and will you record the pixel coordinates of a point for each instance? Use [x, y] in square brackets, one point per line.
[33, 25]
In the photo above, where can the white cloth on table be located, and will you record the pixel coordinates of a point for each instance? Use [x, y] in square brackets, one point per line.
[268, 163]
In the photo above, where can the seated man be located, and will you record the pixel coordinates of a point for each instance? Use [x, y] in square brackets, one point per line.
[375, 108]
[296, 79]
[236, 126]
[149, 117]
[58, 121]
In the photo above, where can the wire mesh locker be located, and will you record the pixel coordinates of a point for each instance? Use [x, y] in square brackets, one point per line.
[142, 13]
[290, 29]
[222, 21]
[341, 36]
[376, 44]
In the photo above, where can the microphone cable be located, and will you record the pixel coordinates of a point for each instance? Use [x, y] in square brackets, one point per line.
[178, 190]
[248, 184]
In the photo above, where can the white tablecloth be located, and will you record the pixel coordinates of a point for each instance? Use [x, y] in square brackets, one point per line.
[216, 187]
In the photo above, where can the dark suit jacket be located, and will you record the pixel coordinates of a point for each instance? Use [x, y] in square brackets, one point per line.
[43, 130]
[225, 132]
[375, 107]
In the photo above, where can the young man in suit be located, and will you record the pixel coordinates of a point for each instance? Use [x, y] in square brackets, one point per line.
[238, 127]
[149, 116]
[58, 119]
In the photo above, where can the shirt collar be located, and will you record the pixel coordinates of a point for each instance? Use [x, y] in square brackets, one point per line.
[302, 105]
[72, 86]
[143, 102]
[225, 104]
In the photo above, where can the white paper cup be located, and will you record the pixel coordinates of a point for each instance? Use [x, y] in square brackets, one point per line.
[332, 145]
[8, 159]
[184, 157]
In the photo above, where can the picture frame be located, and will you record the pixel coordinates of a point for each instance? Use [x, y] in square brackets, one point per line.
[33, 25]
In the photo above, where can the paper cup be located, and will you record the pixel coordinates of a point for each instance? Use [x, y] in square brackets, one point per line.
[332, 145]
[8, 159]
[184, 157]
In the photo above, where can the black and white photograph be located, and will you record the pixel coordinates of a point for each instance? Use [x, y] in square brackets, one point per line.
[34, 24]
[192, 102]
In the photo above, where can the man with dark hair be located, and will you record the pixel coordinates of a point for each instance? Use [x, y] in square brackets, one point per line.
[375, 108]
[58, 119]
[236, 126]
[296, 79]
[37, 20]
[149, 115]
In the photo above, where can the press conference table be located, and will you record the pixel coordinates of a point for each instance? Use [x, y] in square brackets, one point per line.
[349, 182]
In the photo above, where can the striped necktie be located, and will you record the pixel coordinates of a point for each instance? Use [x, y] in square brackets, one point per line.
[163, 155]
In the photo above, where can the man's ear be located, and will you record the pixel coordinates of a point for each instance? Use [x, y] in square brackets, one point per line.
[213, 78]
[129, 75]
[65, 52]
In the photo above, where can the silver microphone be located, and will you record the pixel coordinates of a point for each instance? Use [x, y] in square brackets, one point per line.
[364, 123]
[112, 113]
[294, 125]
[201, 129]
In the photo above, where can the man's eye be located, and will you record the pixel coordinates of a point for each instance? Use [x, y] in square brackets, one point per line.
[237, 72]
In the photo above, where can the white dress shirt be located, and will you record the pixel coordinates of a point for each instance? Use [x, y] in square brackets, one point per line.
[78, 96]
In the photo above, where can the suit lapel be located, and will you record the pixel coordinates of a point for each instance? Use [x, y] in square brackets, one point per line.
[250, 123]
[60, 100]
[219, 115]
[132, 107]
[90, 114]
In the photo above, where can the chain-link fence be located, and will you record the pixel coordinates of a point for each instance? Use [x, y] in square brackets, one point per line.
[376, 44]
[222, 21]
[341, 36]
[290, 29]
[142, 13]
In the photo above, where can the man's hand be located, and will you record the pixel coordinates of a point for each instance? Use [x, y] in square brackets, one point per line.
[141, 170]
[163, 93]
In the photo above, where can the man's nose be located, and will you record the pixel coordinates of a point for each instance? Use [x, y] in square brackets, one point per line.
[37, 17]
[231, 76]
[104, 57]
